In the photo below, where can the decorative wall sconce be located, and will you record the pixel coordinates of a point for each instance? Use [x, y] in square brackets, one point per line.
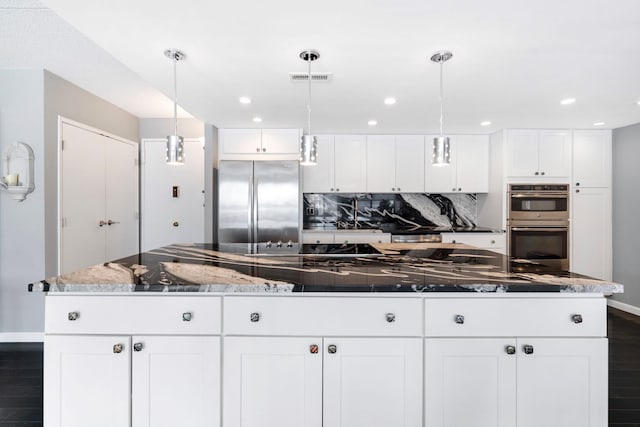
[17, 171]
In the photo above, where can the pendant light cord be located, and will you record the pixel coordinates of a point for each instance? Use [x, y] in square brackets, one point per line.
[441, 98]
[309, 95]
[175, 96]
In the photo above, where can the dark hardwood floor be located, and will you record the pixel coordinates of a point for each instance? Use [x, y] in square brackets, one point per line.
[21, 376]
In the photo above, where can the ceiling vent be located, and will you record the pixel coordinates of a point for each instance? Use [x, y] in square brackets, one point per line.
[315, 77]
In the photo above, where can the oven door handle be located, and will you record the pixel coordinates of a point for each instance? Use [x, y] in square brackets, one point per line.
[539, 228]
[539, 196]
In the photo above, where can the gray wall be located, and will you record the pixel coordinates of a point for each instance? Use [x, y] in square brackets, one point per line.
[30, 103]
[626, 206]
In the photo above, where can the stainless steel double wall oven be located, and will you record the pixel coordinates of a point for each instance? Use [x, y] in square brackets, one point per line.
[538, 223]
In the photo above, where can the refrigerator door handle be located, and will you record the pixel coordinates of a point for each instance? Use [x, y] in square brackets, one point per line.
[255, 210]
[250, 212]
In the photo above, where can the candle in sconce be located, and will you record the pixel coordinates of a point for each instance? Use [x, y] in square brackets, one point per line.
[11, 179]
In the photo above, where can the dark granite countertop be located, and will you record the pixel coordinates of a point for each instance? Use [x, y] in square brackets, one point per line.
[401, 267]
[396, 229]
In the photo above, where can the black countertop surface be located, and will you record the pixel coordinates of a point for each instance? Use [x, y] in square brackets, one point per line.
[399, 229]
[422, 267]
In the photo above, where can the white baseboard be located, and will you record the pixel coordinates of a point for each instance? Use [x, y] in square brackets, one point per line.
[21, 336]
[624, 306]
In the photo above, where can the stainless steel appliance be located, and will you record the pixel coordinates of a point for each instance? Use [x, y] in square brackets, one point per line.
[538, 223]
[258, 201]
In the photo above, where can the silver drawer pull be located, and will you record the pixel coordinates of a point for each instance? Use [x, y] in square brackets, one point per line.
[73, 315]
[576, 318]
[459, 319]
[117, 348]
[332, 349]
[255, 317]
[528, 349]
[137, 346]
[186, 316]
[510, 349]
[391, 317]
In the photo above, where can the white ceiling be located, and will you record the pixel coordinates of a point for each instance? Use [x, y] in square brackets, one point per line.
[513, 61]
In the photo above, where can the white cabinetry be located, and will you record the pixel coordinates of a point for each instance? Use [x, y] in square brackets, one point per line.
[132, 361]
[538, 154]
[592, 152]
[468, 171]
[345, 237]
[488, 354]
[495, 242]
[366, 381]
[259, 144]
[341, 165]
[395, 163]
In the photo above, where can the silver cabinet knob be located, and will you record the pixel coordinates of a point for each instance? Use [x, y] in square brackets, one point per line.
[510, 349]
[393, 189]
[257, 149]
[313, 349]
[537, 173]
[577, 190]
[102, 223]
[337, 189]
[73, 315]
[331, 189]
[264, 150]
[459, 189]
[137, 346]
[453, 189]
[176, 224]
[391, 317]
[254, 317]
[117, 348]
[186, 316]
[332, 349]
[528, 349]
[493, 242]
[399, 189]
[576, 318]
[541, 173]
[577, 184]
[459, 319]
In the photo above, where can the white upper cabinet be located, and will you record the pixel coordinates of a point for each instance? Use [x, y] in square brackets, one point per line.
[468, 171]
[259, 144]
[592, 158]
[349, 163]
[395, 163]
[538, 154]
[319, 178]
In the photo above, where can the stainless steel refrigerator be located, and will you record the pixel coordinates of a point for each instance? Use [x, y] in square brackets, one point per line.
[258, 201]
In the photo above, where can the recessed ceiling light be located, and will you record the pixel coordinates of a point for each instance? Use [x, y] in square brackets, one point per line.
[598, 124]
[485, 123]
[568, 101]
[244, 100]
[389, 101]
[257, 119]
[372, 122]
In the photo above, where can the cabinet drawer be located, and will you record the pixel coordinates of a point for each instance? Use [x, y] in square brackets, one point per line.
[362, 237]
[323, 316]
[500, 317]
[491, 241]
[317, 237]
[132, 315]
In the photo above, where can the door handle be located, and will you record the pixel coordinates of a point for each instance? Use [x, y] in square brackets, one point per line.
[102, 223]
[110, 222]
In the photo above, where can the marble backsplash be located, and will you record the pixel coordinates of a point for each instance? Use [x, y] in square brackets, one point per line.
[402, 210]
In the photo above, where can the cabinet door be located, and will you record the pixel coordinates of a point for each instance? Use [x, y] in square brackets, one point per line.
[381, 164]
[409, 163]
[521, 153]
[87, 381]
[350, 163]
[319, 177]
[469, 382]
[317, 237]
[176, 381]
[272, 382]
[555, 153]
[373, 382]
[472, 163]
[440, 178]
[280, 141]
[591, 230]
[563, 383]
[241, 141]
[592, 158]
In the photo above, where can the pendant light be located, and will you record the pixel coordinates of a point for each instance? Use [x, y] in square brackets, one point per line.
[175, 143]
[441, 146]
[309, 143]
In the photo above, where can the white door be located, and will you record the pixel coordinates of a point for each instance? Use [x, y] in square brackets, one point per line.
[521, 153]
[172, 195]
[319, 177]
[591, 232]
[241, 141]
[439, 178]
[562, 383]
[280, 141]
[121, 193]
[555, 154]
[271, 382]
[381, 171]
[350, 163]
[409, 163]
[87, 381]
[176, 381]
[472, 163]
[592, 158]
[82, 199]
[372, 382]
[470, 382]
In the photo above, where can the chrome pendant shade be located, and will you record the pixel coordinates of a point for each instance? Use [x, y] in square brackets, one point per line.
[175, 143]
[441, 145]
[309, 143]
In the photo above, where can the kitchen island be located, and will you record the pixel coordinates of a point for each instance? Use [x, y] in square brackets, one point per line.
[245, 335]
